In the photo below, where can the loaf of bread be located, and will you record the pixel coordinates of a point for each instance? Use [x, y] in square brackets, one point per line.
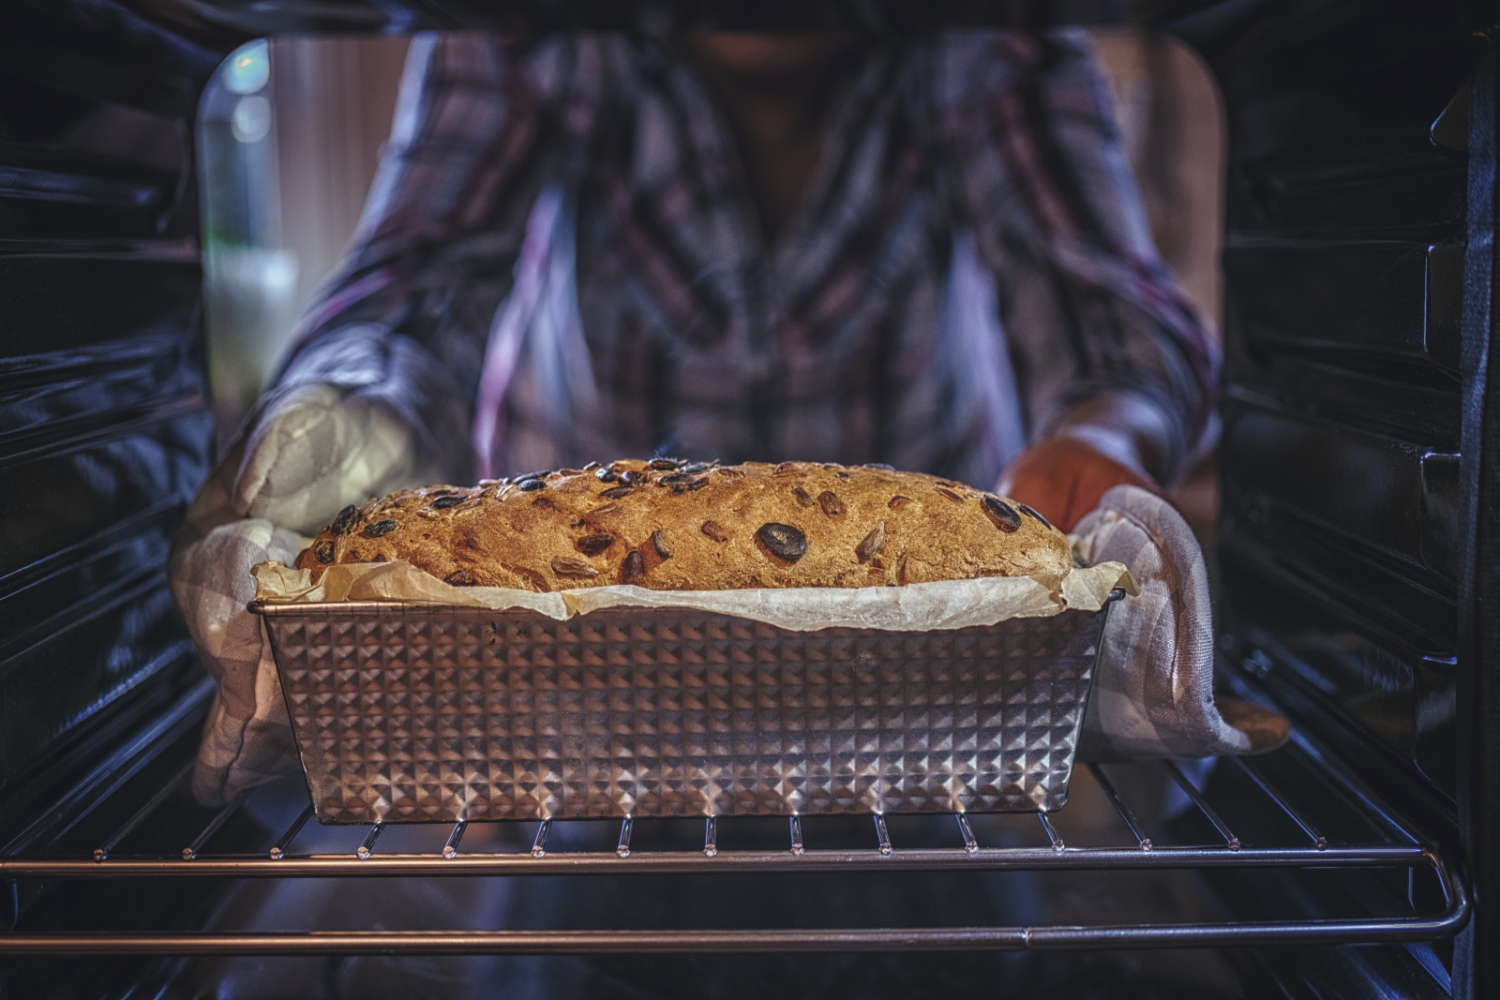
[671, 525]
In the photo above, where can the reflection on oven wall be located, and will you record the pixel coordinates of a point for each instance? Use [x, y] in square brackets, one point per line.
[290, 133]
[1341, 549]
[104, 430]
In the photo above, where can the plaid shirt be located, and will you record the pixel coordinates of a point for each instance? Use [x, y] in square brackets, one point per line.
[559, 261]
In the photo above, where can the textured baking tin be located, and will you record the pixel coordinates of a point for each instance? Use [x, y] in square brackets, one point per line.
[417, 713]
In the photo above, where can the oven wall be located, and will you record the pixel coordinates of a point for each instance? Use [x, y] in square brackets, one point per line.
[104, 429]
[1344, 526]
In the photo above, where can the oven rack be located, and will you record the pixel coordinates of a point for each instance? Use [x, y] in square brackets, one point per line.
[1391, 845]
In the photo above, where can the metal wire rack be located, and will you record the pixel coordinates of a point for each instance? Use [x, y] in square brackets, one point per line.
[1389, 845]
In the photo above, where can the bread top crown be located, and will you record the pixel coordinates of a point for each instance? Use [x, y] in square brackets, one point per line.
[667, 524]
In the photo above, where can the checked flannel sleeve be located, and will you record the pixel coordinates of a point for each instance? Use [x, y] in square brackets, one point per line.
[406, 317]
[1086, 303]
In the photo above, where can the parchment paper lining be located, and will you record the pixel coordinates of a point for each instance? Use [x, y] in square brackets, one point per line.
[947, 604]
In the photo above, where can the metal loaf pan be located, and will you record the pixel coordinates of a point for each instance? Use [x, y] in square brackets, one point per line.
[419, 713]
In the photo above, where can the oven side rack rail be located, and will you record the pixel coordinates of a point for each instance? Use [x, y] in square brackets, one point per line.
[1398, 848]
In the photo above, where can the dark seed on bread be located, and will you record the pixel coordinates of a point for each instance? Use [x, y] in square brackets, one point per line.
[633, 569]
[1002, 513]
[346, 518]
[570, 567]
[593, 545]
[783, 541]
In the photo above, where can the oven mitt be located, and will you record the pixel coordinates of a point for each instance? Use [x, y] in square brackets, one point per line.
[308, 451]
[1152, 694]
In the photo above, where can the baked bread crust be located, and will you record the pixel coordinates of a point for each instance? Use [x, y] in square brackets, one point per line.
[670, 525]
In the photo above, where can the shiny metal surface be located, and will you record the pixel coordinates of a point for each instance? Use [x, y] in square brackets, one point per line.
[1346, 257]
[450, 849]
[424, 714]
[140, 815]
[677, 941]
[1230, 840]
[104, 430]
[1392, 847]
[1108, 787]
[711, 837]
[660, 862]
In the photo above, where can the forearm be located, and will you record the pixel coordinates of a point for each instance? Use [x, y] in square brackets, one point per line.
[1106, 441]
[1108, 351]
[1124, 427]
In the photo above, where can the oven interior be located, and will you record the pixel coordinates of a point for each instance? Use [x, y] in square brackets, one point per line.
[1354, 551]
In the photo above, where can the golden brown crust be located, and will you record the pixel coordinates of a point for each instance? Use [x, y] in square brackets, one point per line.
[700, 526]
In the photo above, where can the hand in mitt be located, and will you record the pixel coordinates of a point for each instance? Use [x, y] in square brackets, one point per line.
[1152, 694]
[308, 451]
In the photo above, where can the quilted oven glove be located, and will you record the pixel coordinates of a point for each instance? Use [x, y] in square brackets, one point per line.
[309, 450]
[1152, 695]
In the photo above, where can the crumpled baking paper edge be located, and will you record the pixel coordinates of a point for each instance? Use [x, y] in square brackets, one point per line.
[946, 604]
